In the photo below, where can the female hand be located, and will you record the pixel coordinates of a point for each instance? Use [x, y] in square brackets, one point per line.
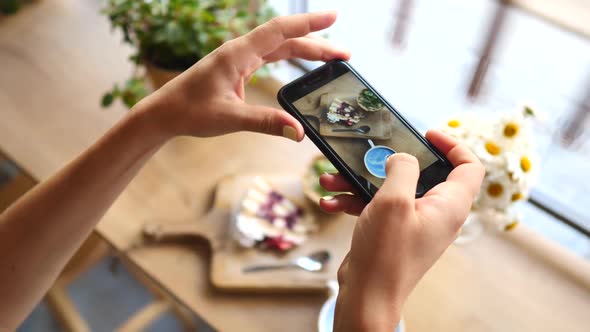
[208, 98]
[397, 238]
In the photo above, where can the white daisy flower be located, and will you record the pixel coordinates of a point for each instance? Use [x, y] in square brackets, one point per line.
[515, 128]
[488, 150]
[509, 126]
[461, 126]
[522, 167]
[496, 191]
[505, 221]
[509, 221]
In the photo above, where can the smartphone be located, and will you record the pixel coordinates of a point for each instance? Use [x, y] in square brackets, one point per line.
[357, 129]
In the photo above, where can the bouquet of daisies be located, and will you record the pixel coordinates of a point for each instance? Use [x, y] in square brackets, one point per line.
[504, 146]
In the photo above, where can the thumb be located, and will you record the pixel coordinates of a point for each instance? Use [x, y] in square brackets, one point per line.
[270, 121]
[403, 172]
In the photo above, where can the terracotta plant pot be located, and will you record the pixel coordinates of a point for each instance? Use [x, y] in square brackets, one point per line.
[159, 76]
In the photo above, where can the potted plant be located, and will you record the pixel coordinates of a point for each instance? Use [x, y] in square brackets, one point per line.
[169, 36]
[11, 6]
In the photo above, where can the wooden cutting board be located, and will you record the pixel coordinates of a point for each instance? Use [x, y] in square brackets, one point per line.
[228, 258]
[379, 122]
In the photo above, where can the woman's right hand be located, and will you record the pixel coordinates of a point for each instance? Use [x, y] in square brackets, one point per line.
[397, 238]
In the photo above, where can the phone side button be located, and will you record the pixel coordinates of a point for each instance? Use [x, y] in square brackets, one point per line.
[420, 189]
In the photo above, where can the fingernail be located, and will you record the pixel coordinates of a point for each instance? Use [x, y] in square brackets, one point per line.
[290, 133]
[327, 198]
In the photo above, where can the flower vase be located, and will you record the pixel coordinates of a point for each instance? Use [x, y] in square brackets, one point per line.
[472, 228]
[481, 220]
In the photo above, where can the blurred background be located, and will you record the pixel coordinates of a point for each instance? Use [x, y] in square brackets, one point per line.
[432, 59]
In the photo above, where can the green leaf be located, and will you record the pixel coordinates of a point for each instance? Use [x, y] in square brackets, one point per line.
[242, 14]
[107, 99]
[135, 58]
[10, 6]
[207, 16]
[173, 32]
[129, 99]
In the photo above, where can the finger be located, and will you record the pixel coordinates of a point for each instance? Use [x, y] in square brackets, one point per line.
[468, 172]
[346, 203]
[446, 143]
[335, 183]
[449, 202]
[402, 177]
[308, 49]
[269, 120]
[447, 205]
[269, 36]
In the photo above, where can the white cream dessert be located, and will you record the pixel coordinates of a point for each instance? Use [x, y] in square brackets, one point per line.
[343, 113]
[268, 220]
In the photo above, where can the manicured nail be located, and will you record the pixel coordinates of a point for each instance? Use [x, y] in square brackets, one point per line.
[290, 133]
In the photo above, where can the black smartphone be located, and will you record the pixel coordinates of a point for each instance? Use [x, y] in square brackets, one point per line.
[357, 129]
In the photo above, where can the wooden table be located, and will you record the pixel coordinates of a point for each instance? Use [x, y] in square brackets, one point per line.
[57, 57]
[573, 15]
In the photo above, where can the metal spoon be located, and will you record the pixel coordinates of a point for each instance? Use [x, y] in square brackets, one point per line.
[313, 263]
[360, 130]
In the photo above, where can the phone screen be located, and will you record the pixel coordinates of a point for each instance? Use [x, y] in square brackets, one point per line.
[360, 128]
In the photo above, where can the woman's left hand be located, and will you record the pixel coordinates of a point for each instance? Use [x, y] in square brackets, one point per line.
[208, 98]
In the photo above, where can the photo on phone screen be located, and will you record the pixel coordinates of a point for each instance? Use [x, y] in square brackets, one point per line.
[363, 130]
